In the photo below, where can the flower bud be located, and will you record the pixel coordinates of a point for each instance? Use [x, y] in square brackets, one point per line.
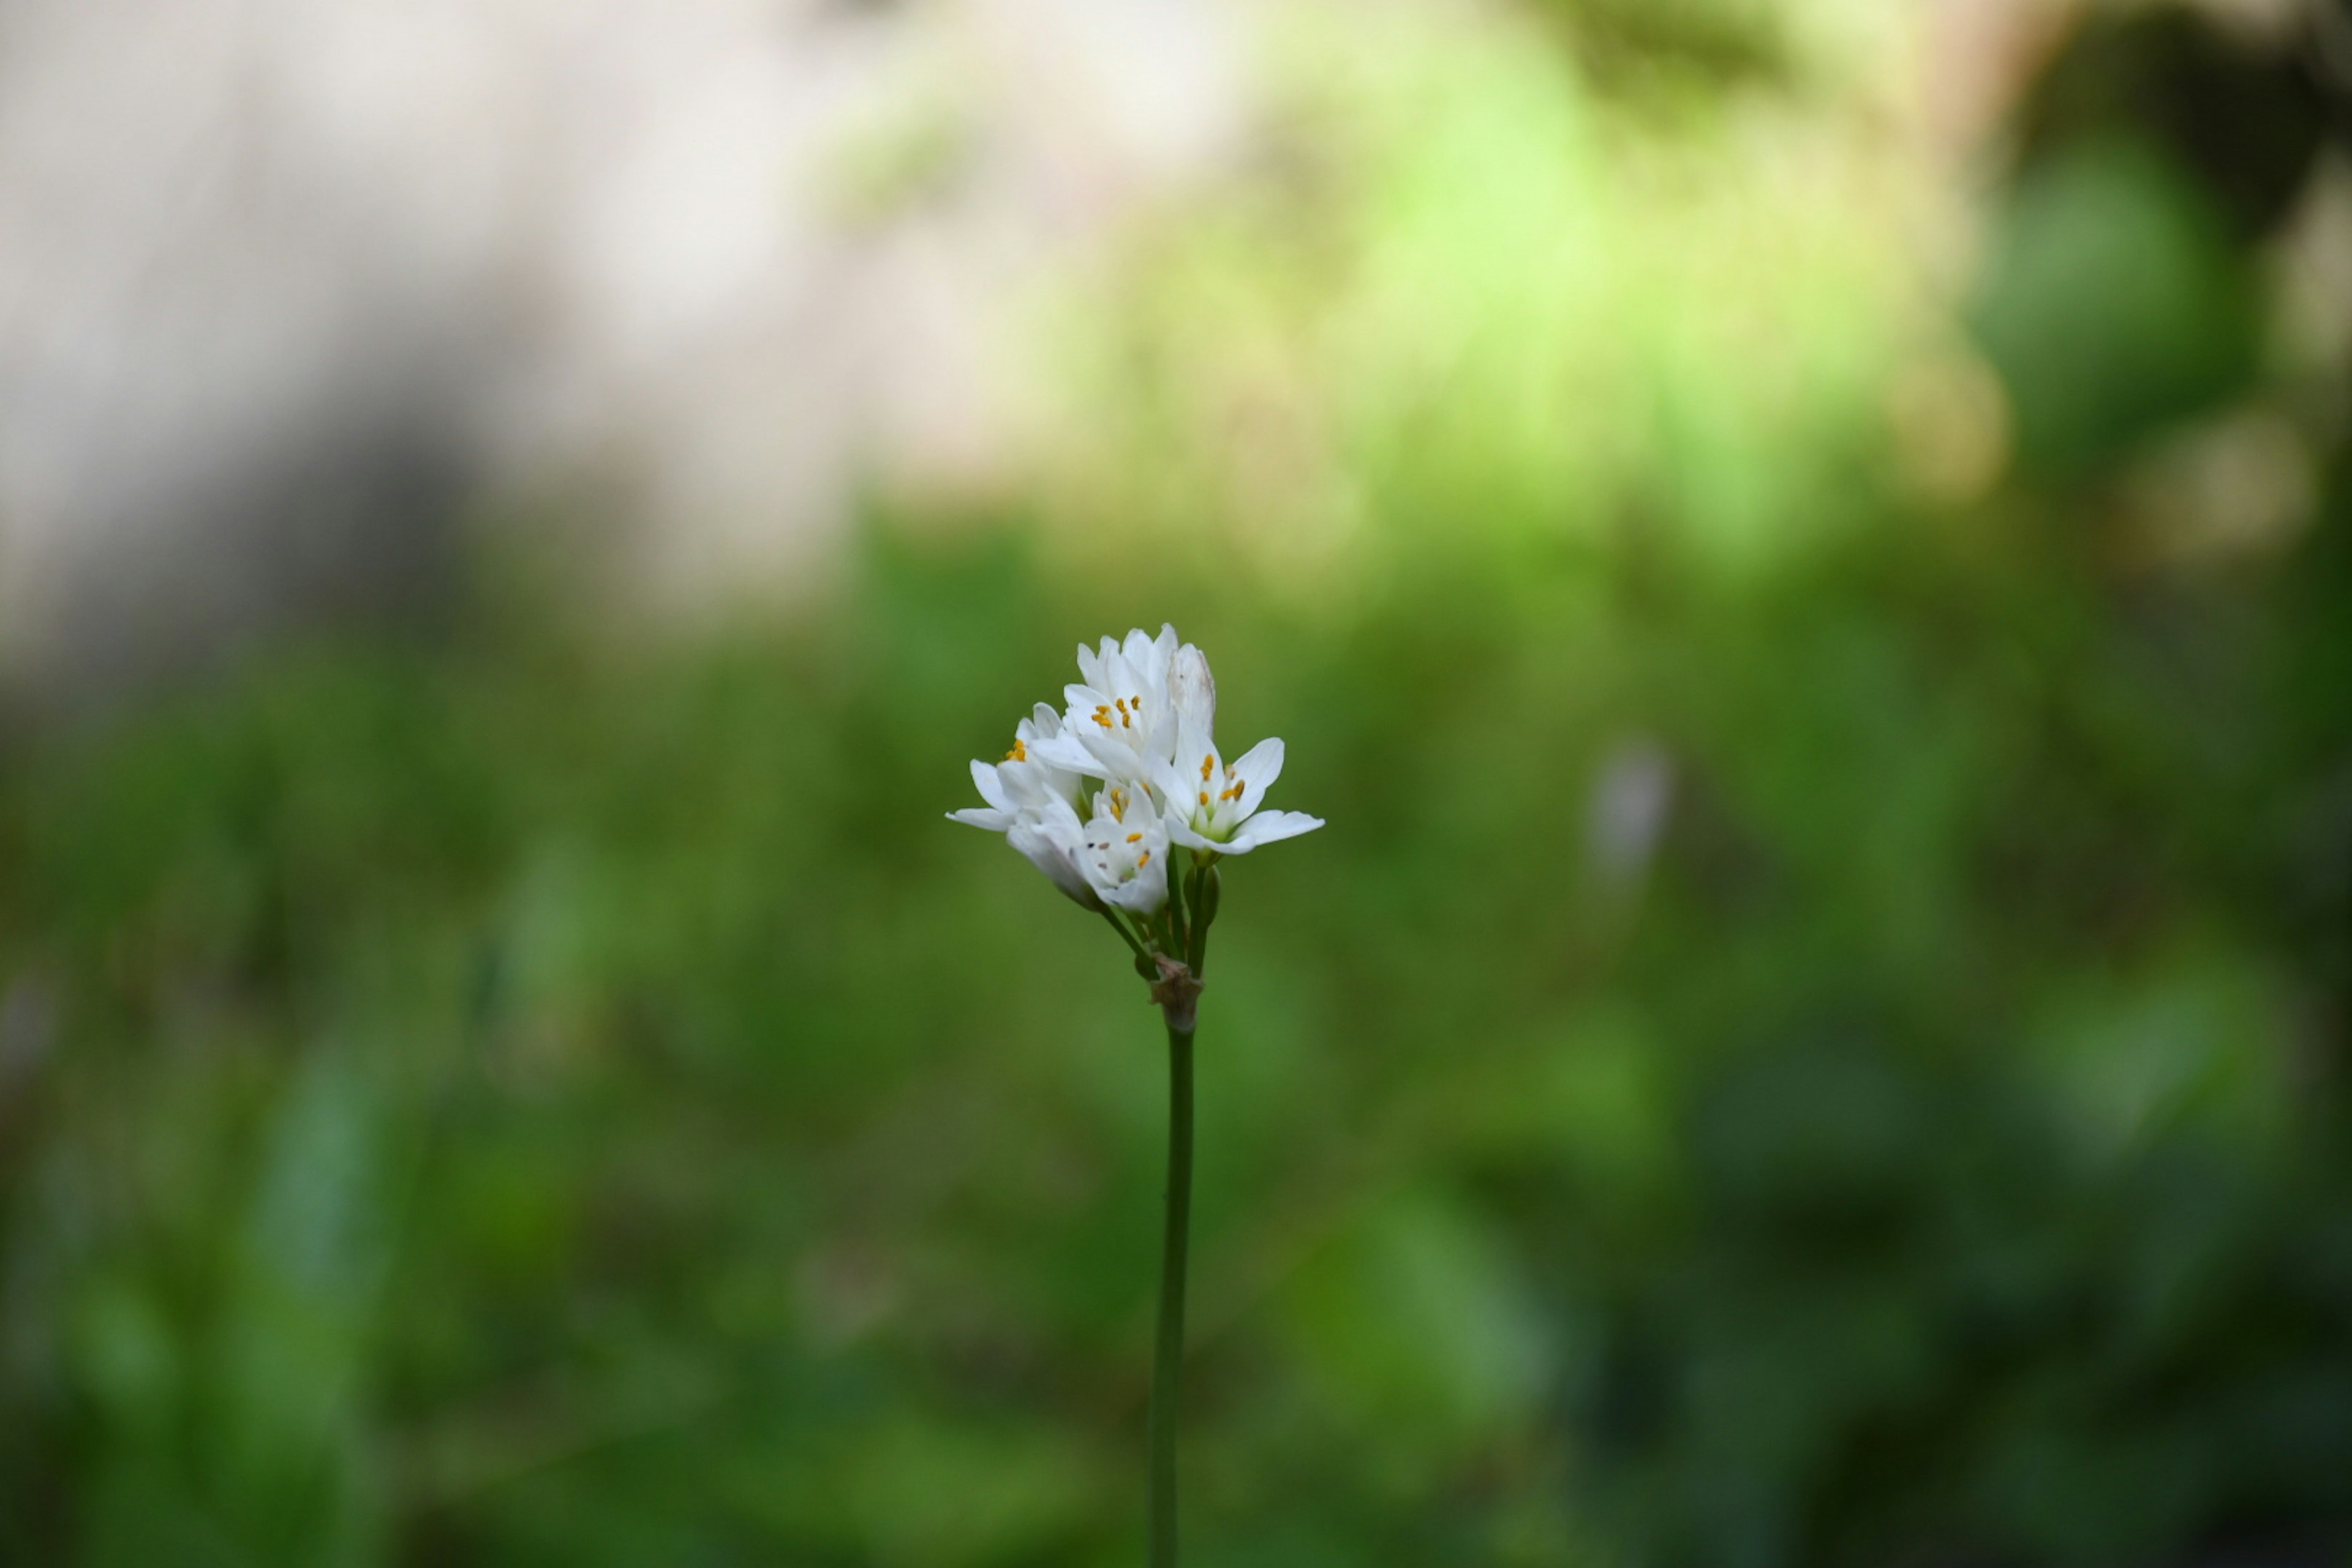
[1191, 690]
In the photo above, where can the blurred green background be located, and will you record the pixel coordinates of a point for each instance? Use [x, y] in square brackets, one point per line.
[1816, 1033]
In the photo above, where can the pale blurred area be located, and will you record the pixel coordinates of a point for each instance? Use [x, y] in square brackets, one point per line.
[298, 296]
[289, 287]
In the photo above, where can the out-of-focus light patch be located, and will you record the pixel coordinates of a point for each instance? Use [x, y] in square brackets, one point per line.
[1971, 58]
[2243, 484]
[1412, 1307]
[905, 149]
[1105, 97]
[695, 277]
[28, 1030]
[2312, 276]
[2263, 24]
[844, 1291]
[2332, 38]
[1632, 794]
[2198, 1042]
[1846, 45]
[1458, 291]
[1950, 424]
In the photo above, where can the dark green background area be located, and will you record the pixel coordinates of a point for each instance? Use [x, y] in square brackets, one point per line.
[489, 1097]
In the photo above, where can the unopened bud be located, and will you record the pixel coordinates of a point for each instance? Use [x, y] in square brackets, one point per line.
[1191, 690]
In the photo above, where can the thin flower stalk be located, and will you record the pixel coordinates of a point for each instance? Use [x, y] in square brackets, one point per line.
[1101, 796]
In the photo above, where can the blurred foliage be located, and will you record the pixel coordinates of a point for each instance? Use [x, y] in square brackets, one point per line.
[1816, 1033]
[2115, 305]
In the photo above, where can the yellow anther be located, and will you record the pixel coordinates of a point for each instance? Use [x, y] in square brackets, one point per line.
[1118, 805]
[1207, 763]
[1133, 837]
[1019, 753]
[1143, 860]
[1102, 716]
[1205, 797]
[1233, 793]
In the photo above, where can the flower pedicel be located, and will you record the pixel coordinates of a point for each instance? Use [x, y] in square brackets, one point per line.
[1103, 797]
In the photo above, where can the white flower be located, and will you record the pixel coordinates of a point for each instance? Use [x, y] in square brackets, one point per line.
[1124, 852]
[1051, 842]
[1021, 775]
[1212, 805]
[1035, 805]
[1120, 716]
[1118, 856]
[1142, 722]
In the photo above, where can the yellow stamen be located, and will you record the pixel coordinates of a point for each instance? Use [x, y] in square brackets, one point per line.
[1133, 837]
[1206, 764]
[1143, 860]
[1118, 805]
[1102, 716]
[1205, 797]
[1019, 753]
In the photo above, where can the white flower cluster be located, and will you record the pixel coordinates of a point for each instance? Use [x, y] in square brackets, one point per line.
[1096, 796]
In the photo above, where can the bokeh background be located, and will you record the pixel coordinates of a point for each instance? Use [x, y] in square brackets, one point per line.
[1804, 549]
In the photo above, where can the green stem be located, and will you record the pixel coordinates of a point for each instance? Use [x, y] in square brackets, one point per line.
[1168, 1354]
[1178, 930]
[1204, 909]
[1126, 935]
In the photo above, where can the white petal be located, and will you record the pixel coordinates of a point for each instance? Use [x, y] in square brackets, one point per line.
[991, 789]
[1101, 677]
[980, 816]
[1269, 828]
[1052, 858]
[1180, 831]
[1128, 687]
[1161, 741]
[1060, 820]
[1166, 786]
[1144, 892]
[1030, 785]
[1113, 758]
[1193, 748]
[1067, 752]
[1257, 768]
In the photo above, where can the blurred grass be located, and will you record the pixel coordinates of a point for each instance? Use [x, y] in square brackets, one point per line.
[488, 1104]
[1814, 1035]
